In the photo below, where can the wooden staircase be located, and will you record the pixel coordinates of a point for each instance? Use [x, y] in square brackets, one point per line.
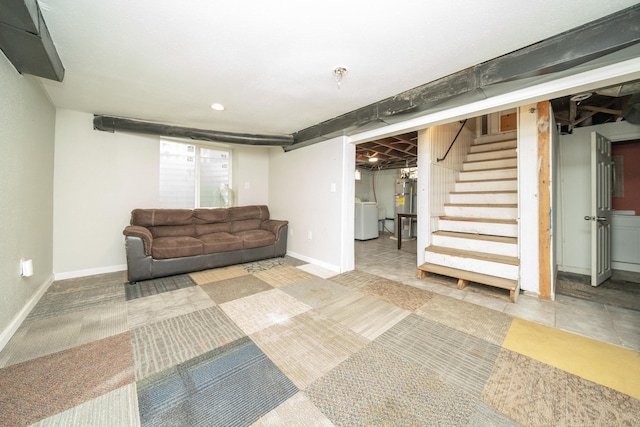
[477, 240]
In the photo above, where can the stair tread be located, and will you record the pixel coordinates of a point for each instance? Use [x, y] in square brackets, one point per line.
[471, 219]
[483, 205]
[486, 237]
[491, 160]
[485, 192]
[498, 282]
[508, 168]
[501, 259]
[490, 150]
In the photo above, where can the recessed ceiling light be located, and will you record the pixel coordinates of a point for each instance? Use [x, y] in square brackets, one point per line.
[217, 107]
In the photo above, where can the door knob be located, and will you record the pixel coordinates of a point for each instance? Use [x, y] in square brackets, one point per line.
[589, 218]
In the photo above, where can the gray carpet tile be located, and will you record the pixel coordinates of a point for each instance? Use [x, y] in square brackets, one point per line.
[68, 299]
[147, 288]
[163, 344]
[376, 387]
[459, 358]
[233, 385]
[52, 333]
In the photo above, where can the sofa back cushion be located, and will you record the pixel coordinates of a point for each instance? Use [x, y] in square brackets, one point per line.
[244, 225]
[209, 221]
[158, 217]
[173, 231]
[239, 213]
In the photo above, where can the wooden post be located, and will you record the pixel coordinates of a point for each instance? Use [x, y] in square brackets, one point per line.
[544, 198]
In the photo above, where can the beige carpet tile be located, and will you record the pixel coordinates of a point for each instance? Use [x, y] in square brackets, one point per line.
[364, 314]
[116, 408]
[375, 387]
[307, 346]
[37, 389]
[472, 319]
[355, 279]
[216, 274]
[163, 344]
[316, 291]
[536, 394]
[297, 411]
[460, 359]
[404, 296]
[155, 308]
[238, 287]
[259, 311]
[283, 276]
[46, 335]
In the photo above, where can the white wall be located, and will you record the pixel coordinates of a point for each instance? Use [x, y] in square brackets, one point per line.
[574, 239]
[301, 190]
[528, 198]
[27, 121]
[100, 177]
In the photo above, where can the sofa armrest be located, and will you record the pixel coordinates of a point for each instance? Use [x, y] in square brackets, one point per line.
[273, 225]
[141, 232]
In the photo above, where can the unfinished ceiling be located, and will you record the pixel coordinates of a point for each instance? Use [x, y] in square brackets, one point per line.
[271, 63]
[138, 69]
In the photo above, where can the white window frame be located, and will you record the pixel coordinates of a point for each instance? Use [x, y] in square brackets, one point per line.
[198, 146]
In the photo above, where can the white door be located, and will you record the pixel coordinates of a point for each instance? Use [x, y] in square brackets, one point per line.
[601, 185]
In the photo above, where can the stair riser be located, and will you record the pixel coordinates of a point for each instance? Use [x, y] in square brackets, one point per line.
[477, 148]
[475, 245]
[506, 271]
[473, 227]
[490, 164]
[481, 212]
[491, 155]
[484, 198]
[492, 174]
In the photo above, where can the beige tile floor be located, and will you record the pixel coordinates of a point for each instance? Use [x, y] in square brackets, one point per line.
[606, 323]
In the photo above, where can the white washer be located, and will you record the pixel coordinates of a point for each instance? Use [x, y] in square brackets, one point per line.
[366, 217]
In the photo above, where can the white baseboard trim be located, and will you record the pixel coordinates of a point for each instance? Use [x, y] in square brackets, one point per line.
[314, 261]
[625, 266]
[575, 270]
[90, 272]
[15, 323]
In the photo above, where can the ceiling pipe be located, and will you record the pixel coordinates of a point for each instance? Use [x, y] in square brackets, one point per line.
[558, 53]
[113, 124]
[26, 42]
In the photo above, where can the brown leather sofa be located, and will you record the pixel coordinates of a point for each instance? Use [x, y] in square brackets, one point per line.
[163, 242]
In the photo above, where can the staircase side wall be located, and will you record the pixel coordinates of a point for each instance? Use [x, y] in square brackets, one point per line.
[528, 161]
[437, 179]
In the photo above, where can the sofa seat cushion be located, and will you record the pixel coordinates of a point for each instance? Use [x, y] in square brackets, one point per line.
[256, 238]
[220, 242]
[176, 247]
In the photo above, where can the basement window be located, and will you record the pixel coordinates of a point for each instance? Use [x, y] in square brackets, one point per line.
[193, 176]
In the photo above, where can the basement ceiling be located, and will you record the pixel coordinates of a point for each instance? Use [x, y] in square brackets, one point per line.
[271, 63]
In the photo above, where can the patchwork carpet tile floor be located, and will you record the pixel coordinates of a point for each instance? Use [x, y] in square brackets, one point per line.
[283, 343]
